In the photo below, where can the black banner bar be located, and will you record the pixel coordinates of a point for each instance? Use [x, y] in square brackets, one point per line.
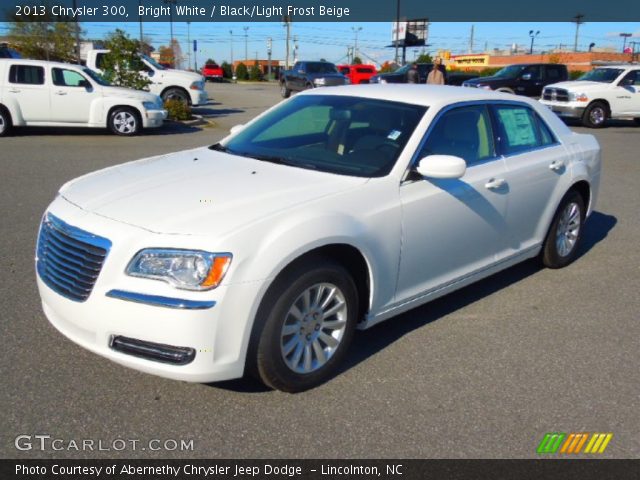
[319, 10]
[321, 469]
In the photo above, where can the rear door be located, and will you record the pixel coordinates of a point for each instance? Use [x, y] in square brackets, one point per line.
[630, 105]
[535, 163]
[26, 84]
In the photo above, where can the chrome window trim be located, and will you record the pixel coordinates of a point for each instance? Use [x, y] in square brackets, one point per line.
[161, 301]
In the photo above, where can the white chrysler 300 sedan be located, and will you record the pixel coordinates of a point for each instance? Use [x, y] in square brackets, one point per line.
[336, 209]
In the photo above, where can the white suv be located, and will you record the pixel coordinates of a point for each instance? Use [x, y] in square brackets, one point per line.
[604, 92]
[38, 93]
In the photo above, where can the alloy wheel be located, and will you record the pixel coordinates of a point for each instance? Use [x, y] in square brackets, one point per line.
[568, 229]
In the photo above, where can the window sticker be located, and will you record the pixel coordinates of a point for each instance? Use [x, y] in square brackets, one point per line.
[518, 127]
[394, 134]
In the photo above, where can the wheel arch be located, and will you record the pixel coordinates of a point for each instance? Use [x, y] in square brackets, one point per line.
[129, 107]
[6, 111]
[605, 102]
[176, 87]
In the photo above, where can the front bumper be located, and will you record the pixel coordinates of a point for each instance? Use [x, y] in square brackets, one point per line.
[218, 334]
[198, 97]
[564, 109]
[154, 118]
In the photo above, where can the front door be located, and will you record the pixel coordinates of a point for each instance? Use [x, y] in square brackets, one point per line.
[71, 96]
[452, 228]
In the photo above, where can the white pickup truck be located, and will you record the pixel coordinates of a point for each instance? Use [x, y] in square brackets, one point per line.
[169, 84]
[611, 92]
[39, 93]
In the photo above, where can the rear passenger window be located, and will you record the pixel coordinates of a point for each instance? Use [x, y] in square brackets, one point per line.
[521, 129]
[26, 74]
[553, 74]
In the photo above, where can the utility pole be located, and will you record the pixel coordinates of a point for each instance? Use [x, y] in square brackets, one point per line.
[287, 24]
[246, 43]
[269, 45]
[578, 21]
[140, 17]
[355, 48]
[397, 29]
[471, 39]
[231, 47]
[78, 59]
[624, 43]
[295, 48]
[189, 46]
[173, 50]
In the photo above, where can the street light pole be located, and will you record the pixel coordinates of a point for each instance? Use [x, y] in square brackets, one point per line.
[231, 47]
[269, 58]
[624, 43]
[189, 44]
[173, 50]
[533, 36]
[578, 21]
[246, 43]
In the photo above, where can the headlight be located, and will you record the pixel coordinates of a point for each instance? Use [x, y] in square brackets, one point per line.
[382, 80]
[152, 105]
[484, 87]
[319, 81]
[578, 97]
[186, 269]
[197, 86]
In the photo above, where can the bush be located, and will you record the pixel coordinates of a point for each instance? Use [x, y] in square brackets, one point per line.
[489, 71]
[575, 74]
[241, 72]
[255, 74]
[177, 110]
[226, 68]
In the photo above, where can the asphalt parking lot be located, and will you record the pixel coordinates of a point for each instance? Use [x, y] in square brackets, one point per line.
[482, 373]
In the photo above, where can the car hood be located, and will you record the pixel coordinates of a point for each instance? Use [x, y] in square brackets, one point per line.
[580, 85]
[129, 93]
[200, 192]
[183, 75]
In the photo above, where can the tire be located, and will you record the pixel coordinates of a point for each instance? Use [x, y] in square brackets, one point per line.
[175, 94]
[5, 122]
[595, 115]
[124, 121]
[637, 121]
[284, 91]
[563, 239]
[294, 348]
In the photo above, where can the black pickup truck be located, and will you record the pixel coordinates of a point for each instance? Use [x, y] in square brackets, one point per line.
[525, 79]
[305, 75]
[400, 75]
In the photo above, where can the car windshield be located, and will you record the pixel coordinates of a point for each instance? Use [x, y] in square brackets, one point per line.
[603, 75]
[511, 71]
[151, 61]
[95, 77]
[404, 69]
[332, 133]
[321, 67]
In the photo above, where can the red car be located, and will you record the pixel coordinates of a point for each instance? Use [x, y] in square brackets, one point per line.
[212, 72]
[357, 73]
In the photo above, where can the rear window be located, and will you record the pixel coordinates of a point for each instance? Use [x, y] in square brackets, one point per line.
[26, 74]
[211, 65]
[365, 70]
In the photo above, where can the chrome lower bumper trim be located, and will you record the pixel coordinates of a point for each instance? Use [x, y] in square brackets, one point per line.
[159, 301]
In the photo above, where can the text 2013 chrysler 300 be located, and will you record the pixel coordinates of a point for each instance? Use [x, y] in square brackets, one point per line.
[336, 209]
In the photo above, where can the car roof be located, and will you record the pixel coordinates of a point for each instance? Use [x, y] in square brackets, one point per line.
[418, 94]
[42, 63]
[618, 65]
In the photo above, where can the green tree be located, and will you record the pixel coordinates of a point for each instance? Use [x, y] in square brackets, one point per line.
[167, 56]
[122, 65]
[357, 61]
[209, 61]
[424, 58]
[241, 72]
[226, 68]
[44, 39]
[255, 73]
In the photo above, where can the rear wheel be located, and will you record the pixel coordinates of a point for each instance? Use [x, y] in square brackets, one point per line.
[309, 319]
[595, 115]
[637, 121]
[124, 121]
[561, 245]
[284, 91]
[5, 122]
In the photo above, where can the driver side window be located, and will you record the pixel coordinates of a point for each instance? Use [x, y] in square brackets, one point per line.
[463, 132]
[67, 78]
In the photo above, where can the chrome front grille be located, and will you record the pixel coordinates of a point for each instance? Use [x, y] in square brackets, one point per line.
[555, 94]
[68, 259]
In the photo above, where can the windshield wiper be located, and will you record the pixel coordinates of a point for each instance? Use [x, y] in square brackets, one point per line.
[218, 147]
[280, 161]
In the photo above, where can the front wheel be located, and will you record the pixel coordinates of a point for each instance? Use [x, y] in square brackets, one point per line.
[595, 115]
[176, 94]
[561, 245]
[124, 121]
[310, 315]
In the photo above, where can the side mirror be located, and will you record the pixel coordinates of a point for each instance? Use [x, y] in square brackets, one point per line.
[84, 84]
[236, 128]
[526, 76]
[442, 166]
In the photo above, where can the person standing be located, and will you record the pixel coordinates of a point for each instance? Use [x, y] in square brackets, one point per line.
[436, 77]
[412, 74]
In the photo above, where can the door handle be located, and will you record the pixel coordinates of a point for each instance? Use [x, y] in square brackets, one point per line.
[495, 183]
[60, 92]
[13, 90]
[556, 165]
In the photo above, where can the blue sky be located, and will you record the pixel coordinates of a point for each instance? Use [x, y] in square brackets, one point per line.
[330, 40]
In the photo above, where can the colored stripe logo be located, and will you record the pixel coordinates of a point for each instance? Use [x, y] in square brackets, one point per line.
[573, 443]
